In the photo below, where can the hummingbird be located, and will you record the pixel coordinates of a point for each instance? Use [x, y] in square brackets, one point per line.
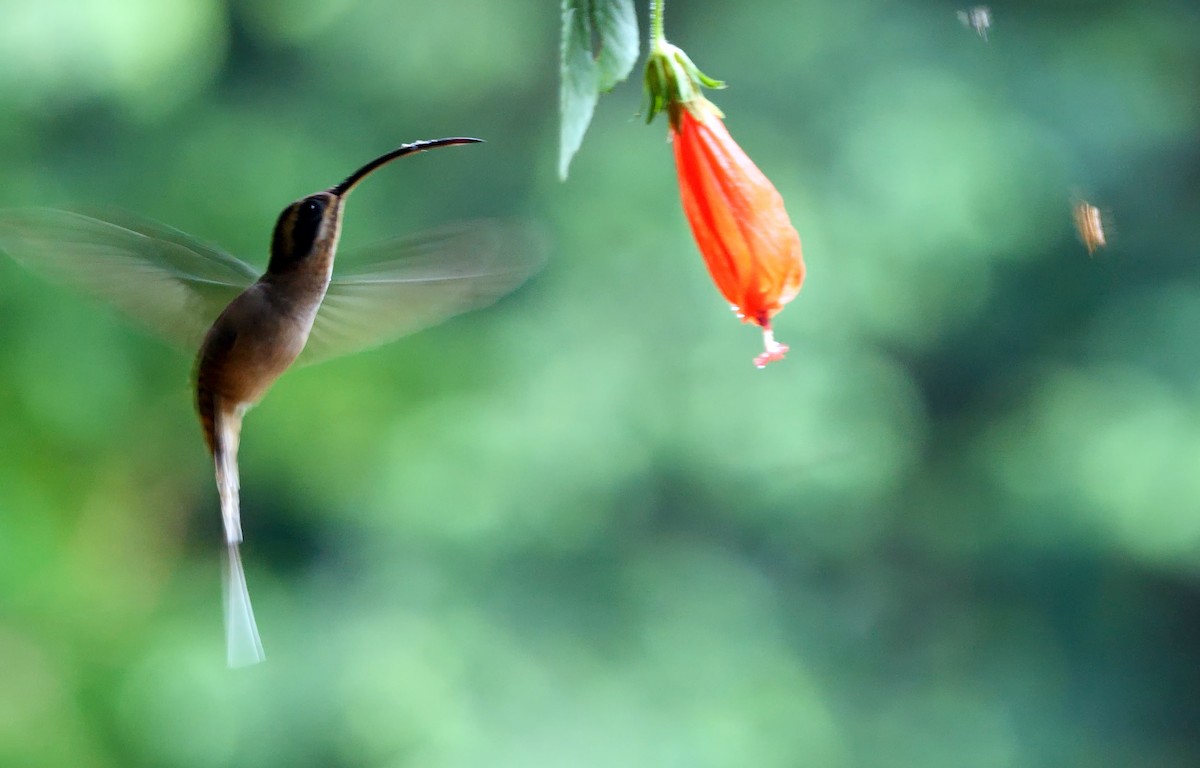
[263, 324]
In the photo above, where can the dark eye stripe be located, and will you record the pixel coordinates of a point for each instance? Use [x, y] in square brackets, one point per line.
[296, 232]
[306, 224]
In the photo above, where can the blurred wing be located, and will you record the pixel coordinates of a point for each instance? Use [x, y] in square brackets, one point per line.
[160, 277]
[411, 283]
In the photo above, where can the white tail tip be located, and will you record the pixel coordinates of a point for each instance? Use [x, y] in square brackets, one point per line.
[242, 643]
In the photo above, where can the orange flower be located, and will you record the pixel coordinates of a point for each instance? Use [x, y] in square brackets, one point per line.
[737, 217]
[739, 222]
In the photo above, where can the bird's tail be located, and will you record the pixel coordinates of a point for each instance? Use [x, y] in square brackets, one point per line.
[243, 645]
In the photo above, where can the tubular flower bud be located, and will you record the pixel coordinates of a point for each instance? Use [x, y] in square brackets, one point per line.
[736, 215]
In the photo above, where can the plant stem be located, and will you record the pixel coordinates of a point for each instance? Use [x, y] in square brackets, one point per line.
[656, 22]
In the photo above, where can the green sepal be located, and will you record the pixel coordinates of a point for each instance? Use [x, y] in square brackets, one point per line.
[673, 80]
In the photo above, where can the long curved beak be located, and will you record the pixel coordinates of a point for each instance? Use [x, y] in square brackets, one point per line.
[343, 189]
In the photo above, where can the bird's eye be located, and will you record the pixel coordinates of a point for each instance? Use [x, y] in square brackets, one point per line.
[311, 208]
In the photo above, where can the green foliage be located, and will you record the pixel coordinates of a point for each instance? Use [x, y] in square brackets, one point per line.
[599, 48]
[955, 528]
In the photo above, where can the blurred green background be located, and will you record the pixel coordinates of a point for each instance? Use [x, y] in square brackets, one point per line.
[959, 526]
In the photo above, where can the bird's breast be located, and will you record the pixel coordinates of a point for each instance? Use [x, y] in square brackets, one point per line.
[252, 343]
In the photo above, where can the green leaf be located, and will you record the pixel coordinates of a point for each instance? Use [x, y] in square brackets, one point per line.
[599, 48]
[616, 26]
[579, 88]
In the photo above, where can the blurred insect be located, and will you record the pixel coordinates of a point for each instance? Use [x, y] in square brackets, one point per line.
[177, 286]
[1089, 225]
[978, 17]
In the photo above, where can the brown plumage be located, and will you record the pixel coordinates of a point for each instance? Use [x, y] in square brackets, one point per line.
[176, 285]
[253, 341]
